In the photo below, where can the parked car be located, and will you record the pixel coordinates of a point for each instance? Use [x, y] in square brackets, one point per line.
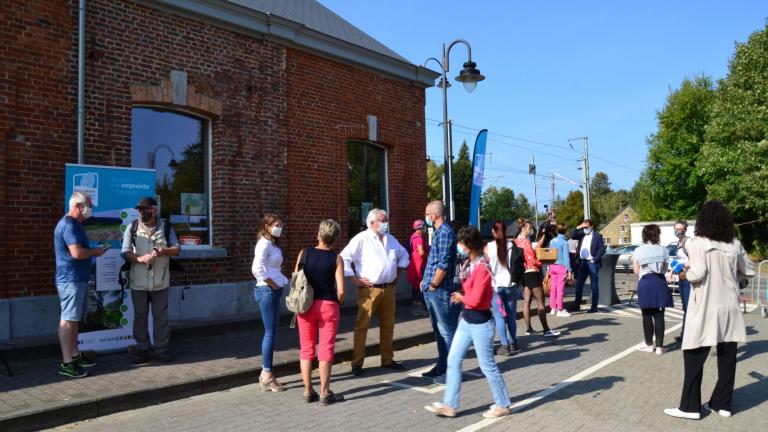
[624, 264]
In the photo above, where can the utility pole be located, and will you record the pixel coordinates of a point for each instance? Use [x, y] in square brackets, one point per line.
[552, 206]
[451, 204]
[532, 170]
[585, 175]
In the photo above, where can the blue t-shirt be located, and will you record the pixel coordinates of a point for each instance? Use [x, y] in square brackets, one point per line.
[70, 231]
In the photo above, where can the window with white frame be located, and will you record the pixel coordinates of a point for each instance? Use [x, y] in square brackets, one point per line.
[622, 228]
[175, 145]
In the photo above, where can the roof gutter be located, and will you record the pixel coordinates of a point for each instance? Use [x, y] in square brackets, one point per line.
[249, 21]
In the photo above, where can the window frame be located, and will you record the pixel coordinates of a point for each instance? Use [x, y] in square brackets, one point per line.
[386, 169]
[207, 134]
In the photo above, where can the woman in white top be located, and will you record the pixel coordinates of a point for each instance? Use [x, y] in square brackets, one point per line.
[267, 260]
[505, 291]
[716, 264]
[649, 262]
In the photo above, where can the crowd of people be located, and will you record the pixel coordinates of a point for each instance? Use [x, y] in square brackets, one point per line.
[467, 286]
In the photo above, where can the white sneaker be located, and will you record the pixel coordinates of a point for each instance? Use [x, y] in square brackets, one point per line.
[675, 412]
[723, 413]
[660, 350]
[496, 411]
[563, 314]
[553, 312]
[551, 333]
[646, 348]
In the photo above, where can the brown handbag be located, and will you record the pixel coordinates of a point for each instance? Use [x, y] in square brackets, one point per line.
[546, 285]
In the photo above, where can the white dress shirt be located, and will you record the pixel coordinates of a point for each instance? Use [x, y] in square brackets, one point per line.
[586, 245]
[374, 259]
[267, 259]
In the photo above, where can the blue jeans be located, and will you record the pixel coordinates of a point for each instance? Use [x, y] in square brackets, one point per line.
[685, 292]
[445, 317]
[481, 335]
[590, 269]
[269, 304]
[508, 297]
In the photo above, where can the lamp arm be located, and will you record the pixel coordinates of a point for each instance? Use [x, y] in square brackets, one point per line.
[448, 51]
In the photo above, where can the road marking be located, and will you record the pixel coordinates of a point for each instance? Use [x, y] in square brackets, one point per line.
[438, 388]
[559, 386]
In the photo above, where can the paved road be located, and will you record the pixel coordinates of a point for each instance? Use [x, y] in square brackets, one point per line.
[590, 378]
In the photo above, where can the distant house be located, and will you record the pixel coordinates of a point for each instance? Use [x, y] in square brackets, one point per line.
[617, 231]
[667, 231]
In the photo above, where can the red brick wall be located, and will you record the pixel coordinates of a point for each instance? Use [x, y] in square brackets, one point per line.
[277, 146]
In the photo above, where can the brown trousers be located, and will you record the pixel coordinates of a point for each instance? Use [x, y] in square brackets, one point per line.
[371, 301]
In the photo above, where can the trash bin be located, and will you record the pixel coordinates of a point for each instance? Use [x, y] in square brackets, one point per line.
[607, 284]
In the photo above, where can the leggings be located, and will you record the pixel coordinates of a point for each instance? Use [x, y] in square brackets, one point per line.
[653, 322]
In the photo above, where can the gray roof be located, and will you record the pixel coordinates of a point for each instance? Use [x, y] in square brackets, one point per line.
[315, 16]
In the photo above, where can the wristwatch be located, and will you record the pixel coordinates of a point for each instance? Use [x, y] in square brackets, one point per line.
[432, 285]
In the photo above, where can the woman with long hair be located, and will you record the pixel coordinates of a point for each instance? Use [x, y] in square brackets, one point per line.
[505, 290]
[270, 282]
[532, 280]
[324, 270]
[649, 263]
[716, 264]
[475, 328]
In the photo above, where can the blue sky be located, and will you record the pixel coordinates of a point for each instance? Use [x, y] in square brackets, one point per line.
[560, 69]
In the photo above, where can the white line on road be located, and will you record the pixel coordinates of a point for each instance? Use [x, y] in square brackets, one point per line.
[433, 390]
[559, 386]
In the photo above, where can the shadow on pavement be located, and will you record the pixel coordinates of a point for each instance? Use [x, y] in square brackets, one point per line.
[751, 349]
[592, 385]
[751, 395]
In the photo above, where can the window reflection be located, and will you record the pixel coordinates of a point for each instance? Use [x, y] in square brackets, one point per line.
[366, 179]
[175, 146]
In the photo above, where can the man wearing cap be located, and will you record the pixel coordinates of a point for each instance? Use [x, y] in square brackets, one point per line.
[372, 260]
[148, 245]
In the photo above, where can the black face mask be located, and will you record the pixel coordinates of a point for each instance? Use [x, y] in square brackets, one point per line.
[146, 216]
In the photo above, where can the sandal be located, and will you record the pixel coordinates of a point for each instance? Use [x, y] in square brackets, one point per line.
[270, 385]
[312, 397]
[330, 398]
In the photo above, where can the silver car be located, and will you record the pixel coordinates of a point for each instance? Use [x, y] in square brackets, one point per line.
[624, 264]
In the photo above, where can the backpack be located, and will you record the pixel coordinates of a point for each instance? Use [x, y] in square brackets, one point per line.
[300, 298]
[515, 263]
[173, 265]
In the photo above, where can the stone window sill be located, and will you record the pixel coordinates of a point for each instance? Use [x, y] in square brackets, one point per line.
[202, 253]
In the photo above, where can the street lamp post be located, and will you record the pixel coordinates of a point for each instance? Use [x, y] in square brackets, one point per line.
[469, 76]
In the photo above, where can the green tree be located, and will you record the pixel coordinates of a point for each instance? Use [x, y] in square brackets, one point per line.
[497, 204]
[600, 185]
[434, 181]
[524, 209]
[571, 212]
[671, 186]
[605, 207]
[462, 183]
[733, 158]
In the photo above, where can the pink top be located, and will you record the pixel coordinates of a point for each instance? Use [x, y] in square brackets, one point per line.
[477, 289]
[418, 263]
[531, 261]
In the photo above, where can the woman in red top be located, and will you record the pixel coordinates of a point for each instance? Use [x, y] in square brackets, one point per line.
[476, 327]
[532, 280]
[419, 249]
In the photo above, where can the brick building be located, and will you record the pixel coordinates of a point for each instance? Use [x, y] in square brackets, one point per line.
[617, 231]
[286, 108]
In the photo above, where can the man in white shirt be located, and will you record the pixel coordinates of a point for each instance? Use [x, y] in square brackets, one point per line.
[590, 252]
[372, 260]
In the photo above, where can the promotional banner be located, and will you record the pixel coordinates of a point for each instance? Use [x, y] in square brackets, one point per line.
[108, 321]
[478, 166]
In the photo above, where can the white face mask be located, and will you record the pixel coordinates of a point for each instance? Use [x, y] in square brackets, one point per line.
[587, 230]
[383, 228]
[87, 212]
[276, 231]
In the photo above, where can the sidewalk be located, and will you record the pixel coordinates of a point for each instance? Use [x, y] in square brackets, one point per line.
[206, 359]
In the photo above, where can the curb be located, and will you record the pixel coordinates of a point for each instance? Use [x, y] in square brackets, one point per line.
[88, 409]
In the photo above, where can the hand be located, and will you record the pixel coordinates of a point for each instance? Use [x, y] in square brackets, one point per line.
[363, 282]
[158, 251]
[457, 298]
[342, 297]
[146, 259]
[100, 251]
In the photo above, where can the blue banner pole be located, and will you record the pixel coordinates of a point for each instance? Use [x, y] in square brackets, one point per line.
[478, 166]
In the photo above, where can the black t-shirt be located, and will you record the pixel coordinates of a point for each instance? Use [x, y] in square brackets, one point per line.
[320, 269]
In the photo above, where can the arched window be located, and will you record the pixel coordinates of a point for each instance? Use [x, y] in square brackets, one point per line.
[176, 146]
[366, 180]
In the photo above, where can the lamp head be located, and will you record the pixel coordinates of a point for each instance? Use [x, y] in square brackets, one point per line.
[470, 76]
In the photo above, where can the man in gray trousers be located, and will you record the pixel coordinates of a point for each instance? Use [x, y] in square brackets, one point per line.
[148, 244]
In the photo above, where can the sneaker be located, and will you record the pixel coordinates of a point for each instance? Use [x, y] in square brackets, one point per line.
[432, 373]
[441, 409]
[496, 411]
[660, 350]
[513, 349]
[503, 350]
[563, 314]
[82, 362]
[723, 413]
[553, 312]
[551, 333]
[331, 398]
[646, 348]
[72, 370]
[675, 412]
[439, 380]
[529, 331]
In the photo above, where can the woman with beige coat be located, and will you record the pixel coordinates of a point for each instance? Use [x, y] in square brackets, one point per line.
[717, 262]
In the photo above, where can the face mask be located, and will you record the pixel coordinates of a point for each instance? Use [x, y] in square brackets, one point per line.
[680, 233]
[461, 252]
[276, 231]
[87, 212]
[587, 230]
[383, 228]
[146, 216]
[429, 222]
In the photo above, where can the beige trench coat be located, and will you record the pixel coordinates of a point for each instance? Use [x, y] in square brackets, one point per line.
[713, 314]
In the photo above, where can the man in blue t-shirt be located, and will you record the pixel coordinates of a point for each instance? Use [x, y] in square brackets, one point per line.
[73, 273]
